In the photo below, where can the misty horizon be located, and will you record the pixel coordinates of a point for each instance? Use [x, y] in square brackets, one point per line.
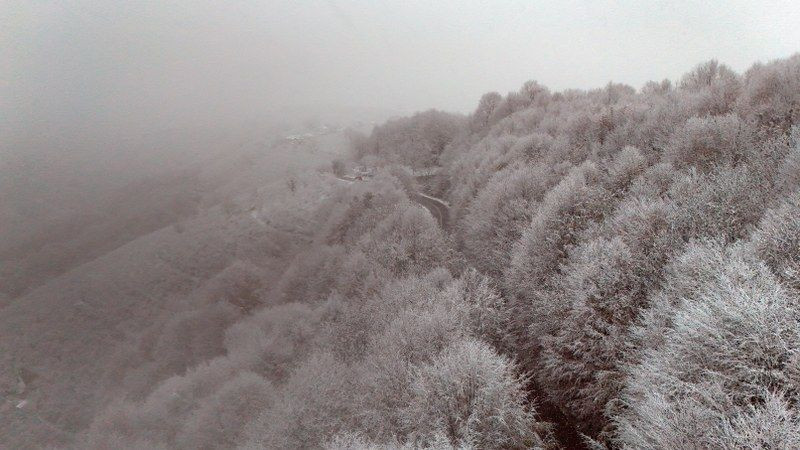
[145, 65]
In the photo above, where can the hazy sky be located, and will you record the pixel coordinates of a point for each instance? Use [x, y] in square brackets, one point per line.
[111, 64]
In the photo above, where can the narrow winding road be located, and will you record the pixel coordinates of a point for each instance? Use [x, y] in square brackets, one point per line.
[437, 207]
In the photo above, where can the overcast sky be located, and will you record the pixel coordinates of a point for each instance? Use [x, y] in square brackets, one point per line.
[110, 64]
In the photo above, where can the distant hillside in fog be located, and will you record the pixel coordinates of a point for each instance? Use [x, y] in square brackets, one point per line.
[63, 216]
[71, 325]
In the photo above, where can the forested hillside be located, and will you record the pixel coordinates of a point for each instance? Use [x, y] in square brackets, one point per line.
[620, 269]
[643, 247]
[114, 302]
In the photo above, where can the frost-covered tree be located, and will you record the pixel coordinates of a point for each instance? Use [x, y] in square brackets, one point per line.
[502, 210]
[481, 118]
[472, 396]
[713, 87]
[481, 310]
[310, 408]
[727, 367]
[409, 240]
[727, 203]
[705, 142]
[220, 420]
[413, 338]
[634, 267]
[605, 286]
[777, 241]
[565, 212]
[274, 341]
[416, 141]
[771, 93]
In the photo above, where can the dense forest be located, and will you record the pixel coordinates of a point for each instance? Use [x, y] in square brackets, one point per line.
[620, 269]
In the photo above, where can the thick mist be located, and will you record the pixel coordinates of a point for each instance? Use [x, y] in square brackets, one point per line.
[399, 224]
[109, 68]
[98, 94]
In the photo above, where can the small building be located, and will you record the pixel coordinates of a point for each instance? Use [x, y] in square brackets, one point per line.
[362, 172]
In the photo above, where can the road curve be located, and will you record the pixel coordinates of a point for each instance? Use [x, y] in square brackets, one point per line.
[438, 208]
